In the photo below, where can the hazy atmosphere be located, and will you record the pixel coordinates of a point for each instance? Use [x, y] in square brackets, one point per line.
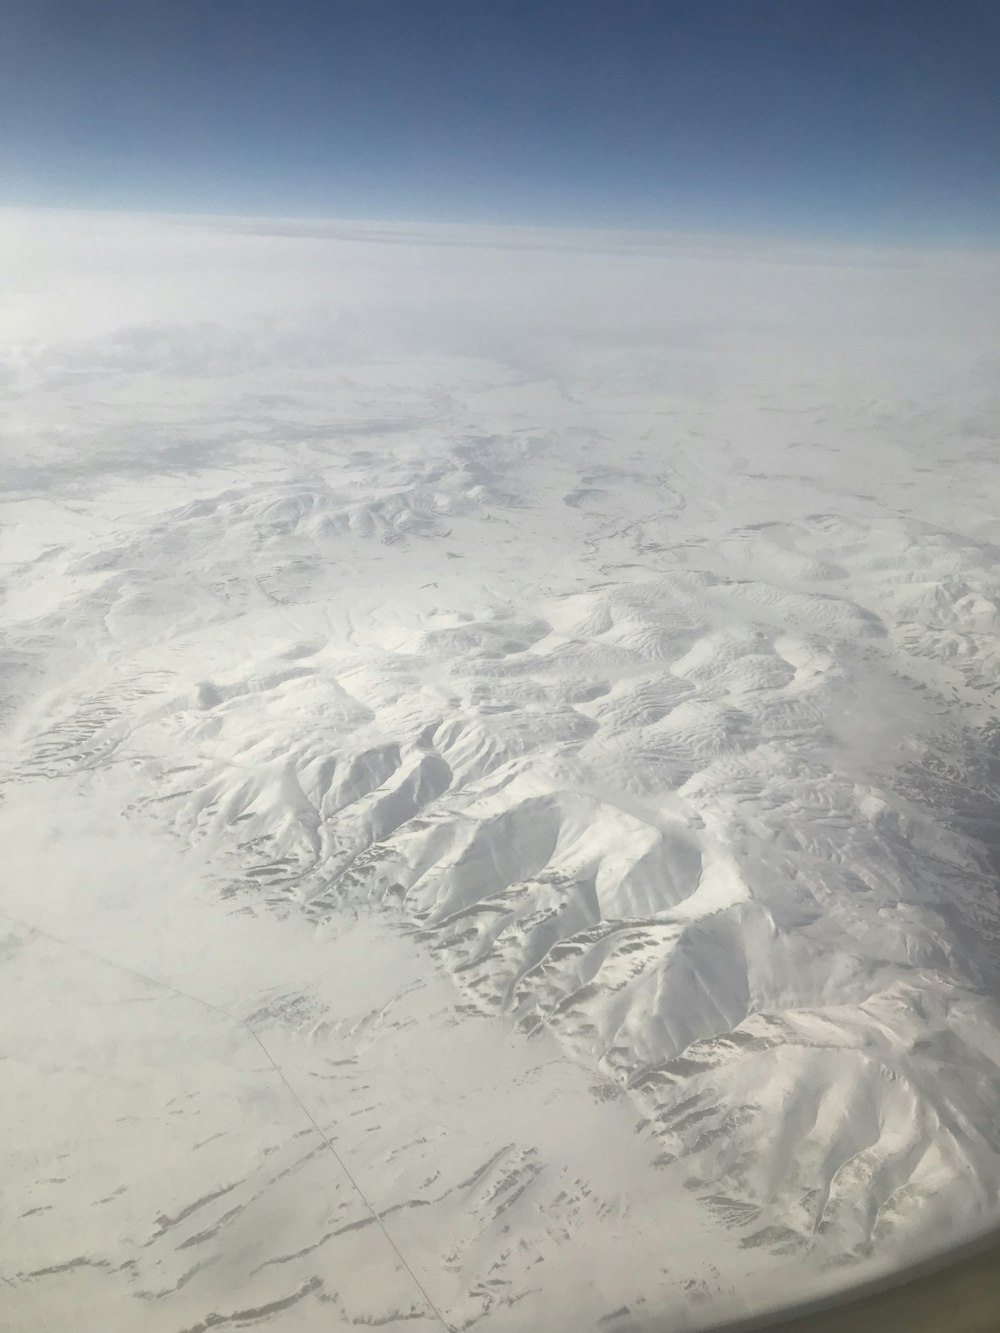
[499, 632]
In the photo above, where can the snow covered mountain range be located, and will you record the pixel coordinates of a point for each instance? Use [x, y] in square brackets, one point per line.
[502, 771]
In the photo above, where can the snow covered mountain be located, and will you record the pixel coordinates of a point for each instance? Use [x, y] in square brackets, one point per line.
[537, 691]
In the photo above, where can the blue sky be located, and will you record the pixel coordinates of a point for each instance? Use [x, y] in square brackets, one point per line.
[870, 118]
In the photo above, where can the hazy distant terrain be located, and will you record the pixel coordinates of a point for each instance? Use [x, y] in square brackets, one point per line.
[501, 788]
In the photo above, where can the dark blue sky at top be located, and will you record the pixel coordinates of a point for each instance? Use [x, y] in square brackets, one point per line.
[876, 118]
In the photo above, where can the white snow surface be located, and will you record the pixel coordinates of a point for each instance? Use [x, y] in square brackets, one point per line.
[501, 785]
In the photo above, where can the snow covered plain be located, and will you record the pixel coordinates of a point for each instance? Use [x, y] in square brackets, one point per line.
[501, 773]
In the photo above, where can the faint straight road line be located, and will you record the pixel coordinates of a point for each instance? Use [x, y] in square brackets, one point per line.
[242, 1022]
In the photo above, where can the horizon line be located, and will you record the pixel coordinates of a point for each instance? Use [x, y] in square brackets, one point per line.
[297, 225]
